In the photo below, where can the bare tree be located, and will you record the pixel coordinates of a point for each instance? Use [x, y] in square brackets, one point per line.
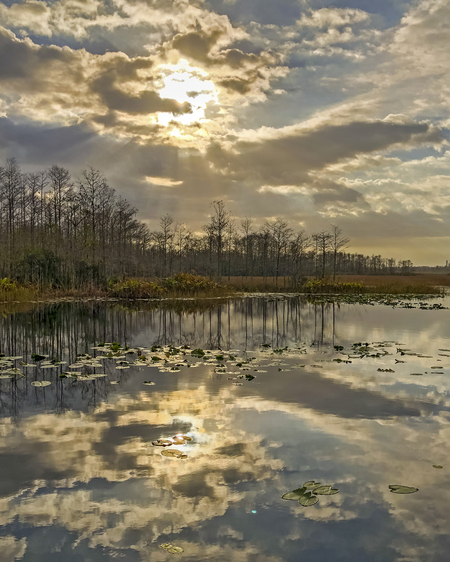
[247, 230]
[220, 220]
[281, 235]
[338, 243]
[322, 241]
[298, 251]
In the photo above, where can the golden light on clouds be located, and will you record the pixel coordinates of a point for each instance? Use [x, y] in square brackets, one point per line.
[348, 105]
[185, 83]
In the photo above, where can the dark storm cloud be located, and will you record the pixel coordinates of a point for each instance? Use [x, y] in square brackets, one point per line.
[288, 159]
[146, 102]
[19, 60]
[42, 146]
[331, 193]
[237, 85]
[339, 399]
[198, 44]
[398, 225]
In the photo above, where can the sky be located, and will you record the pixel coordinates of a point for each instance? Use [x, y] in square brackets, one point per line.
[314, 111]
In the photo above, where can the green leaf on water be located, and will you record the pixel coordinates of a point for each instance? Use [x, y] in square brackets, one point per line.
[40, 383]
[295, 494]
[322, 490]
[398, 489]
[311, 485]
[330, 492]
[308, 499]
[437, 466]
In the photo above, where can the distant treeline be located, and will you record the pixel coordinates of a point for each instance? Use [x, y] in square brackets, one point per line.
[60, 232]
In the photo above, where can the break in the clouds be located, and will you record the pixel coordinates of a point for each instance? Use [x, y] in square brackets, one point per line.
[315, 111]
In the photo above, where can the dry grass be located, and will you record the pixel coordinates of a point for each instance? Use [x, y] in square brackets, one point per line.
[257, 283]
[11, 292]
[418, 279]
[420, 283]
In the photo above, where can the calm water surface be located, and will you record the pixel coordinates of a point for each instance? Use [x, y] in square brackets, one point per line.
[80, 480]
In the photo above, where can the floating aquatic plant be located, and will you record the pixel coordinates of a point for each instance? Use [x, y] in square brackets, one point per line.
[169, 547]
[173, 453]
[307, 494]
[398, 489]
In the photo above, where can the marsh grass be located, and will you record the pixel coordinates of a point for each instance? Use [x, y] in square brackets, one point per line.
[178, 286]
[11, 292]
[179, 292]
[420, 284]
[401, 289]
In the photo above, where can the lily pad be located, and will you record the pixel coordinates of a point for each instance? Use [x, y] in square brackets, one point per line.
[173, 453]
[40, 383]
[308, 500]
[171, 548]
[37, 357]
[437, 466]
[330, 492]
[180, 437]
[398, 489]
[149, 383]
[295, 494]
[175, 550]
[322, 490]
[162, 442]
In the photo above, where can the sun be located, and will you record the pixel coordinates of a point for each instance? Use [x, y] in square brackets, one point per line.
[185, 83]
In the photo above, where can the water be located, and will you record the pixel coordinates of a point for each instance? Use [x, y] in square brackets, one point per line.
[81, 481]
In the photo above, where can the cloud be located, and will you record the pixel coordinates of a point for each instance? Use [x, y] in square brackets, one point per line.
[147, 101]
[12, 549]
[287, 156]
[23, 60]
[358, 100]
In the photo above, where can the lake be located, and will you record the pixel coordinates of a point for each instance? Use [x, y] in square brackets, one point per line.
[139, 432]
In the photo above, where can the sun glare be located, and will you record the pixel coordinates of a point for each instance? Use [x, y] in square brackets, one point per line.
[185, 83]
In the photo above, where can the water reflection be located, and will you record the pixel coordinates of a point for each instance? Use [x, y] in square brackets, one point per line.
[80, 480]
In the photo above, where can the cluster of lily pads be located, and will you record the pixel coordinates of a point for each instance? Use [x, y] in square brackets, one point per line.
[178, 440]
[371, 299]
[307, 494]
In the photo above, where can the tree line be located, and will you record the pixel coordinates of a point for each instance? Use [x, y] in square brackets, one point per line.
[64, 232]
